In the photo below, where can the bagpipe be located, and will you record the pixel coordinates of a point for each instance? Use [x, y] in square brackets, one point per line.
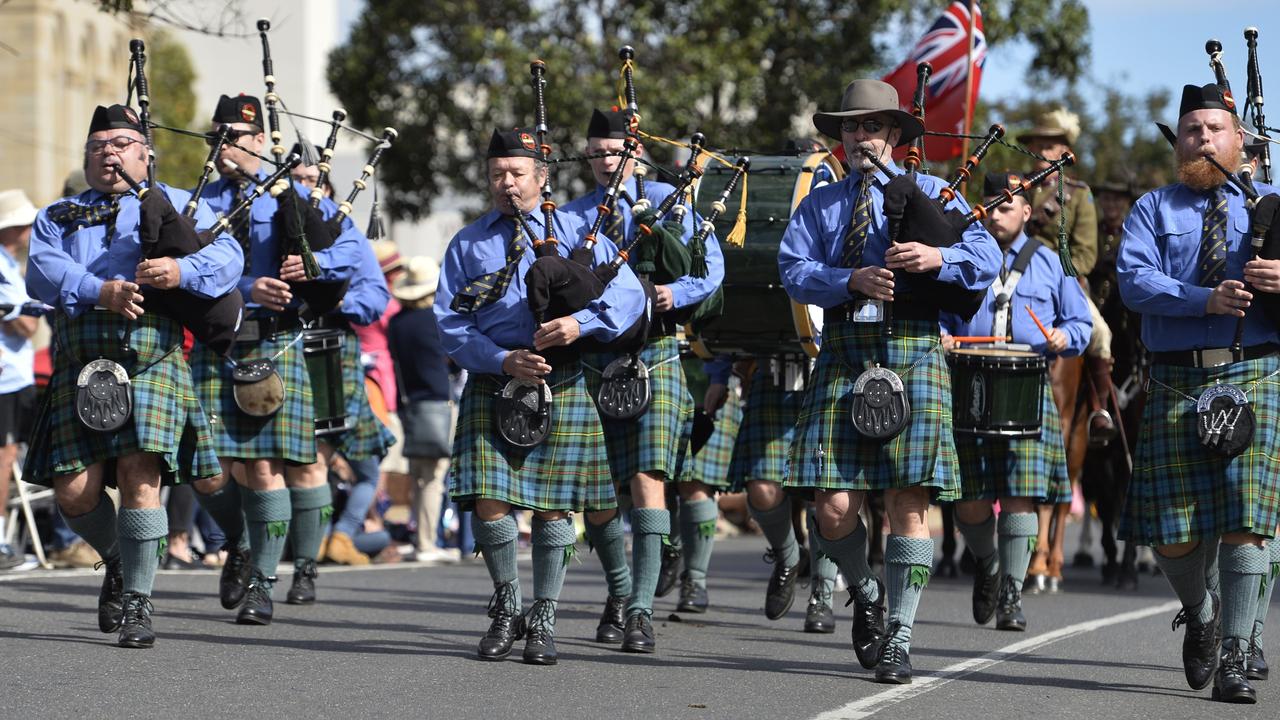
[163, 232]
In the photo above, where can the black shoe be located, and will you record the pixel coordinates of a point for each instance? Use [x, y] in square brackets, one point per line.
[257, 608]
[986, 589]
[135, 629]
[1256, 666]
[669, 572]
[507, 625]
[303, 589]
[1230, 683]
[639, 634]
[235, 577]
[818, 617]
[894, 667]
[1199, 645]
[868, 627]
[110, 603]
[612, 620]
[540, 644]
[1082, 559]
[781, 592]
[693, 598]
[1009, 614]
[947, 568]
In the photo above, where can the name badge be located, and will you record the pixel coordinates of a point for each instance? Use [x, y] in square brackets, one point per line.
[868, 311]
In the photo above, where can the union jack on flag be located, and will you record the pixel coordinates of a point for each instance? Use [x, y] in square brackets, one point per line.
[946, 47]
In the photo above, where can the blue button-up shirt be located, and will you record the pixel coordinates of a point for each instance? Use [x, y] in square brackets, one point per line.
[685, 291]
[1159, 273]
[480, 340]
[1055, 298]
[337, 262]
[368, 295]
[68, 266]
[17, 356]
[814, 240]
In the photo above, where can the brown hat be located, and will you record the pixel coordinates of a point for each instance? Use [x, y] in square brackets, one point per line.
[388, 255]
[1056, 123]
[869, 97]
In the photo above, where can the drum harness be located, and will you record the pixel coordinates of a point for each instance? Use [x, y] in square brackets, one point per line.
[1004, 285]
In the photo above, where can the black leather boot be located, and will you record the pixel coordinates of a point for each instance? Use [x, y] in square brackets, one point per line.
[819, 617]
[986, 589]
[868, 627]
[1230, 683]
[639, 634]
[894, 667]
[135, 629]
[235, 577]
[669, 572]
[612, 620]
[303, 589]
[1256, 666]
[1009, 613]
[110, 603]
[507, 625]
[257, 608]
[1200, 645]
[693, 598]
[540, 644]
[781, 592]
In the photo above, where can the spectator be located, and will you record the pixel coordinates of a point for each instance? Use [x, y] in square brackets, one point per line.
[17, 356]
[426, 408]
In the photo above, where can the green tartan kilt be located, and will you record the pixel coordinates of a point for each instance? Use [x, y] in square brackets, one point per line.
[166, 419]
[710, 466]
[289, 434]
[768, 428]
[828, 453]
[369, 438]
[1180, 492]
[655, 441]
[1033, 468]
[567, 471]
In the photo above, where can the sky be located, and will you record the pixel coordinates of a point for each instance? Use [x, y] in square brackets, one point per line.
[1139, 45]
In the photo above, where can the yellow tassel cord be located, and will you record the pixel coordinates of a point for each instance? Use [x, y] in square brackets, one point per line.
[738, 234]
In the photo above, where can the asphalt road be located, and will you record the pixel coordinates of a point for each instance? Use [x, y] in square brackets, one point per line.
[399, 642]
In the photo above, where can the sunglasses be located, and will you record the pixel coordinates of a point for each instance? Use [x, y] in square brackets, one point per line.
[871, 125]
[119, 143]
[233, 136]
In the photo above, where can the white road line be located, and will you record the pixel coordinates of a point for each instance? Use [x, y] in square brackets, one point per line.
[285, 569]
[868, 706]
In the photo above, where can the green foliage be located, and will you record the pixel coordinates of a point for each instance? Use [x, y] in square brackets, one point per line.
[172, 77]
[746, 73]
[919, 577]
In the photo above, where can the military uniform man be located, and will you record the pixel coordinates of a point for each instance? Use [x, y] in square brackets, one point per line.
[1017, 473]
[836, 253]
[488, 329]
[86, 261]
[644, 452]
[280, 480]
[1204, 469]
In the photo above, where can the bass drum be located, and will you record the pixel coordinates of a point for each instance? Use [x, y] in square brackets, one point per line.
[759, 317]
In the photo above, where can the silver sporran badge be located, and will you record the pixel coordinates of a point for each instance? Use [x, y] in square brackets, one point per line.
[1224, 420]
[104, 396]
[625, 390]
[524, 412]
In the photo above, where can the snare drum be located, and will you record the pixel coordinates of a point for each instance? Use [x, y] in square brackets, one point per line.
[997, 392]
[759, 317]
[322, 348]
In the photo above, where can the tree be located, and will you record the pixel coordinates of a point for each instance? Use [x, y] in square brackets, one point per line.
[742, 71]
[179, 159]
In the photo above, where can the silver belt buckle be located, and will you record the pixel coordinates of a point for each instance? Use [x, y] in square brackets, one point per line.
[867, 311]
[1214, 357]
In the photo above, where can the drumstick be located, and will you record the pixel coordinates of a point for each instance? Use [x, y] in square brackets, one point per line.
[980, 338]
[1038, 323]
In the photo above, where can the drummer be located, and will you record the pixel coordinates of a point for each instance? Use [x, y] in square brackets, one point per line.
[1019, 473]
[836, 253]
[644, 452]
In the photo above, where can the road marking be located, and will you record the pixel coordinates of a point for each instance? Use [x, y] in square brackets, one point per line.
[868, 706]
[62, 573]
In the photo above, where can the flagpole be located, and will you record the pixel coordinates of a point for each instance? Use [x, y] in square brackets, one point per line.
[968, 88]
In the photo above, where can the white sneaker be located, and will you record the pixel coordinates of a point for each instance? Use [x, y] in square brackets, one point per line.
[436, 556]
